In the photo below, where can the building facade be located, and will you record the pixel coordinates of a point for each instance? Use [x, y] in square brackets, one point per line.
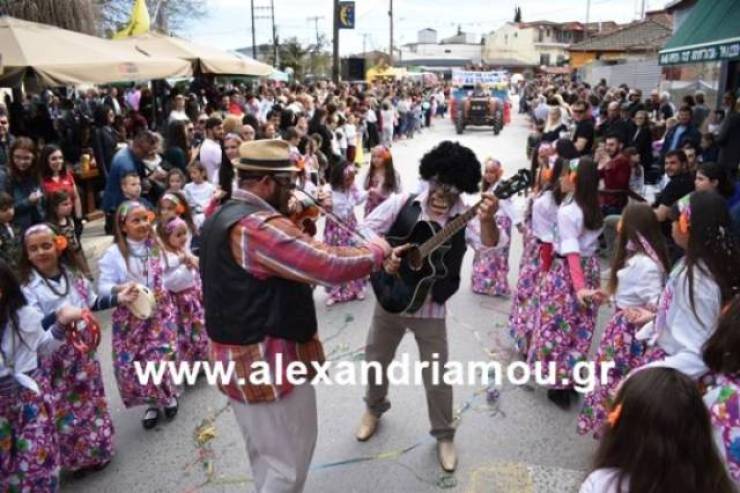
[541, 43]
[460, 47]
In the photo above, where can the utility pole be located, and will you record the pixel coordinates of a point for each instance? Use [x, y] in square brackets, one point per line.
[254, 36]
[642, 10]
[364, 42]
[316, 20]
[588, 15]
[390, 14]
[271, 17]
[335, 61]
[274, 34]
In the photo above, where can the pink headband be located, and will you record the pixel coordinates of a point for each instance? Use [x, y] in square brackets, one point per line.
[173, 224]
[38, 228]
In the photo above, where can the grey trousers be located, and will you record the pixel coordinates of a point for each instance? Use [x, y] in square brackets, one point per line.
[386, 332]
[280, 438]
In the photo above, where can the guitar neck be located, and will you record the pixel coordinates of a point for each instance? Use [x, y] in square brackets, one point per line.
[448, 231]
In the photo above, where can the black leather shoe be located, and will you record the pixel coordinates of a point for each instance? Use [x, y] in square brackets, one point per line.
[151, 418]
[560, 397]
[171, 411]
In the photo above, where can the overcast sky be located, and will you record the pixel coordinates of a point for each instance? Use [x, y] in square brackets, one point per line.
[228, 23]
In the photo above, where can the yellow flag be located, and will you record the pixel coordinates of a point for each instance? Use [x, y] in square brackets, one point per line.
[139, 22]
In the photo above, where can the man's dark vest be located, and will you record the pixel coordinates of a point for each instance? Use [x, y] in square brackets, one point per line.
[240, 308]
[444, 288]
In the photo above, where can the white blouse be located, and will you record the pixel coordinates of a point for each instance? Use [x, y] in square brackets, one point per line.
[19, 355]
[472, 236]
[177, 275]
[571, 236]
[343, 203]
[677, 329]
[604, 481]
[544, 217]
[41, 296]
[507, 207]
[115, 271]
[639, 282]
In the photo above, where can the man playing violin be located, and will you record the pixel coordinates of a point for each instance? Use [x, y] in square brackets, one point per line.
[449, 170]
[257, 269]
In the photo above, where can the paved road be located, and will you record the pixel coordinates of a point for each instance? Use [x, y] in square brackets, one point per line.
[520, 443]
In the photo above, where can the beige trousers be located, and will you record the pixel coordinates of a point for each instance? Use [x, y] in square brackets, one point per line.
[386, 332]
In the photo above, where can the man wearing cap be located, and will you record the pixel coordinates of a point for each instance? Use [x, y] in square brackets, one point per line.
[257, 269]
[449, 169]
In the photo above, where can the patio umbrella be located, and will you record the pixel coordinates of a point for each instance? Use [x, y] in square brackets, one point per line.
[60, 57]
[205, 59]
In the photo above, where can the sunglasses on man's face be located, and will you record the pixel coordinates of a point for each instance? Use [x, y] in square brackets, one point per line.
[285, 181]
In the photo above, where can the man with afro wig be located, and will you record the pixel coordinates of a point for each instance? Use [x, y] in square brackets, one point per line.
[447, 171]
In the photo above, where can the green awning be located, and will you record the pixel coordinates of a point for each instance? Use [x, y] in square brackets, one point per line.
[710, 33]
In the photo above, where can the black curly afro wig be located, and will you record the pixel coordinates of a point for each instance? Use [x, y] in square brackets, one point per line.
[452, 164]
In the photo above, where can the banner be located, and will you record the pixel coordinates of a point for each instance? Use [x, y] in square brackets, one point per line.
[471, 78]
[346, 15]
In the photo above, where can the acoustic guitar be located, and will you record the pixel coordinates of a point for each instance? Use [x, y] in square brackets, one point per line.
[421, 265]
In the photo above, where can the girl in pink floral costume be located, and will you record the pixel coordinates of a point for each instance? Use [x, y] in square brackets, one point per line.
[149, 337]
[29, 450]
[566, 317]
[491, 269]
[722, 397]
[537, 239]
[345, 197]
[381, 180]
[182, 280]
[638, 274]
[52, 278]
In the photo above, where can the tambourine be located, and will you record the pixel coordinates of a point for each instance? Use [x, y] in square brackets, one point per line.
[143, 306]
[87, 325]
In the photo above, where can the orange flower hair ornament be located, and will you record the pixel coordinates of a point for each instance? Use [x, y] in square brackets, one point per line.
[573, 176]
[613, 417]
[60, 243]
[684, 219]
[179, 206]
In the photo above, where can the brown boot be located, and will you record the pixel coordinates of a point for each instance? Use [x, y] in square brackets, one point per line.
[447, 455]
[368, 424]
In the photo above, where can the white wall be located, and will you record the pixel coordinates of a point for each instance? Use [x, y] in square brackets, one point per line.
[446, 51]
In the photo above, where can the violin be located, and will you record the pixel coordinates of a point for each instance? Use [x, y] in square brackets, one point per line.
[306, 213]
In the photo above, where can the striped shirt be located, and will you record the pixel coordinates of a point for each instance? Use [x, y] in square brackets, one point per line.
[267, 244]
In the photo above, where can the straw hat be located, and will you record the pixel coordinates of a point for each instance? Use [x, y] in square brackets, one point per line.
[143, 306]
[265, 155]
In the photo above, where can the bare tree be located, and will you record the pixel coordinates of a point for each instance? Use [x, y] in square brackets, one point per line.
[75, 15]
